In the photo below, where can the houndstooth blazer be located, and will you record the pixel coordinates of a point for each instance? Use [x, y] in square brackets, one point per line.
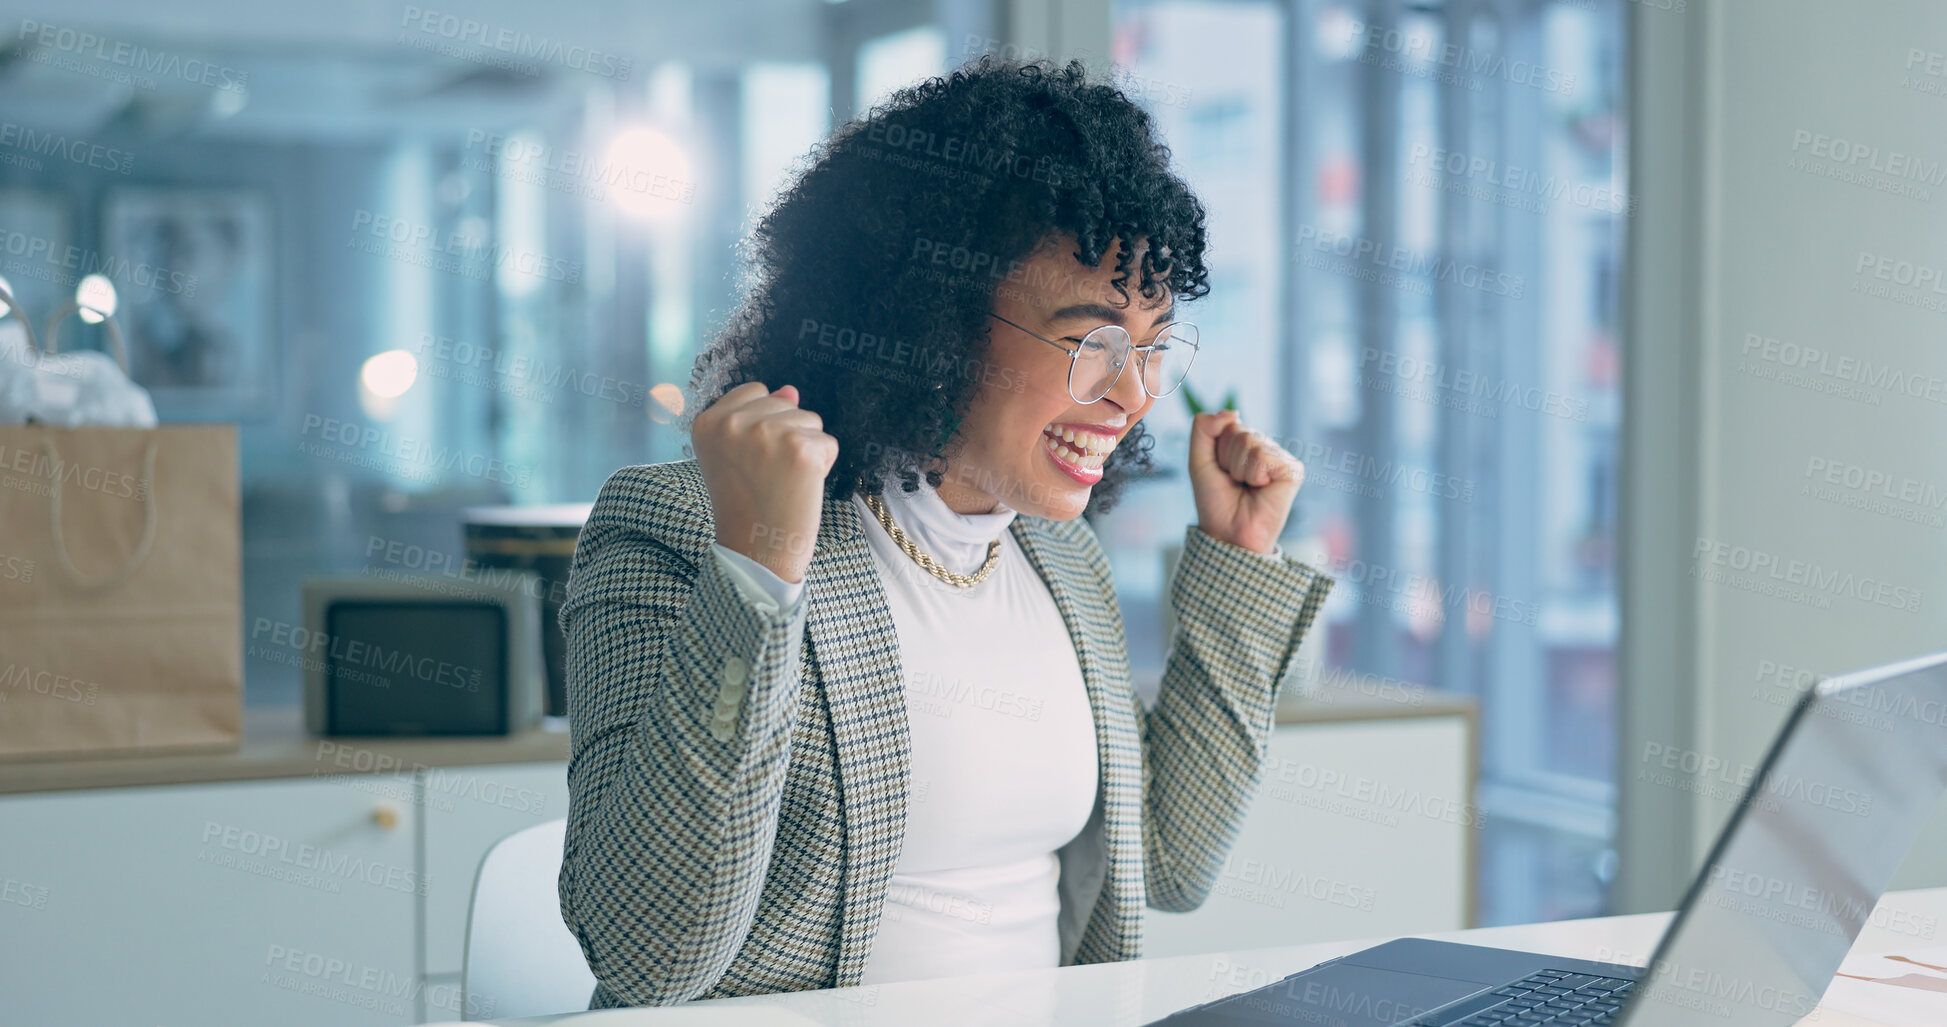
[737, 784]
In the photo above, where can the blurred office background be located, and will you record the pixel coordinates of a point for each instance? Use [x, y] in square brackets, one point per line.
[369, 184]
[417, 293]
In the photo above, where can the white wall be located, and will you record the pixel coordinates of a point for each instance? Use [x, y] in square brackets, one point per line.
[1735, 239]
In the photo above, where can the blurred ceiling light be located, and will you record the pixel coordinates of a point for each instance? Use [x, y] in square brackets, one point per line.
[96, 298]
[226, 102]
[388, 375]
[646, 173]
[1337, 34]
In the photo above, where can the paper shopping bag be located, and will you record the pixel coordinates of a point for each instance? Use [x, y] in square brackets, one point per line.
[120, 590]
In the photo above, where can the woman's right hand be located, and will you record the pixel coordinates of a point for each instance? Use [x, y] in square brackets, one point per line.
[765, 460]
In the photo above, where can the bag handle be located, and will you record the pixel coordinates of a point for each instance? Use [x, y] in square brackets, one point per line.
[54, 324]
[149, 518]
[113, 578]
[70, 309]
[13, 307]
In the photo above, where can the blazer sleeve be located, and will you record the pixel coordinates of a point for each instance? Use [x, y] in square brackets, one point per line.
[1240, 617]
[682, 697]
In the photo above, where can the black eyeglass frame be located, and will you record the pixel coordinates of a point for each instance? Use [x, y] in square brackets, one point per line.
[1142, 362]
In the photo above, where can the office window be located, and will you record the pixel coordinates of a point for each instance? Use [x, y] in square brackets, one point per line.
[898, 59]
[1417, 214]
[785, 113]
[1209, 74]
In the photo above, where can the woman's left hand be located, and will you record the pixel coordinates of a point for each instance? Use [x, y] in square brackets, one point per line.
[1243, 481]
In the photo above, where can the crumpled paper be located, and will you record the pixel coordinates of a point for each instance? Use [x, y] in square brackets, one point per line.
[66, 390]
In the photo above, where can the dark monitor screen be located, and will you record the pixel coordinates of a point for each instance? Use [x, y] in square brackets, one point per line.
[413, 668]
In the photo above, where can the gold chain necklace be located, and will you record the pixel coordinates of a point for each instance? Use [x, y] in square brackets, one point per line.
[878, 507]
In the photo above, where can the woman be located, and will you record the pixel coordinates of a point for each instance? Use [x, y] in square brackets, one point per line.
[827, 732]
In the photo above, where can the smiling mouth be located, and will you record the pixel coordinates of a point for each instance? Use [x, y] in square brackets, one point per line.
[1086, 450]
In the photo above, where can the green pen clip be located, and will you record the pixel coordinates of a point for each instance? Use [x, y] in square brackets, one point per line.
[1190, 400]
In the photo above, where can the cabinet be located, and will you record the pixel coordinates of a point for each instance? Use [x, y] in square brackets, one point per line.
[1361, 828]
[341, 898]
[333, 899]
[264, 902]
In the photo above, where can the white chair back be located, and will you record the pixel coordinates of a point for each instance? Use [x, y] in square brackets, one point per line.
[521, 959]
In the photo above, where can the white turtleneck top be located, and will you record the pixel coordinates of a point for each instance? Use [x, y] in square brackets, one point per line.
[1003, 759]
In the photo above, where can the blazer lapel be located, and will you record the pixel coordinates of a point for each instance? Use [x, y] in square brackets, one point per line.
[855, 650]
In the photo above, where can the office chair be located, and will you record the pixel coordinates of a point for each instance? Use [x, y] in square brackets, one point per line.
[520, 959]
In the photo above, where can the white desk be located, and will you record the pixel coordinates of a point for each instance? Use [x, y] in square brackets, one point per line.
[1138, 991]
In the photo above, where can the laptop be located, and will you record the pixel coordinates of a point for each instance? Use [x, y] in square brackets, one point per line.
[1821, 826]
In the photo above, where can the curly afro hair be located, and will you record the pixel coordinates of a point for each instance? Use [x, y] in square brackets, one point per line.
[991, 164]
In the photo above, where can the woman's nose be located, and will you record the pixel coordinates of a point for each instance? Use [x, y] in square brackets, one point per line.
[1127, 392]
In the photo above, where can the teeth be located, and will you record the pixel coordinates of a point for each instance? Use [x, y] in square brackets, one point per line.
[1082, 441]
[1070, 452]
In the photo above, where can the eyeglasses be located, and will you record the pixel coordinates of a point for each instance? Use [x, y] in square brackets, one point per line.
[1095, 364]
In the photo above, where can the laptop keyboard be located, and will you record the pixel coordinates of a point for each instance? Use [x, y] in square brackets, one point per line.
[1554, 997]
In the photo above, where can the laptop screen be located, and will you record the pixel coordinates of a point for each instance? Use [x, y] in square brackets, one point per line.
[1853, 777]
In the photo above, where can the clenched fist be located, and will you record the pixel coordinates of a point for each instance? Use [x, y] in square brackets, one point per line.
[765, 460]
[1244, 482]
